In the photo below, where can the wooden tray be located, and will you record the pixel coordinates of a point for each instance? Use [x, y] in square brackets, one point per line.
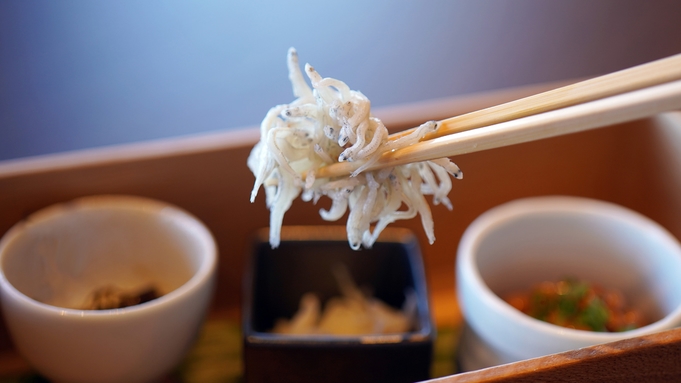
[634, 164]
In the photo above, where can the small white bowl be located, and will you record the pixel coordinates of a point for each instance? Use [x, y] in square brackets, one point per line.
[51, 261]
[521, 243]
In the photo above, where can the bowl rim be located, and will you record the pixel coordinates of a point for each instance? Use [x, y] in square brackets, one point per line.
[204, 274]
[501, 214]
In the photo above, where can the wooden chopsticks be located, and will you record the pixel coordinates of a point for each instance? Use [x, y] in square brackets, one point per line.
[621, 96]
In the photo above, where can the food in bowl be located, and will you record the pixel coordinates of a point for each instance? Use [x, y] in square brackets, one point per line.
[531, 240]
[578, 304]
[276, 279]
[330, 123]
[54, 259]
[113, 297]
[354, 313]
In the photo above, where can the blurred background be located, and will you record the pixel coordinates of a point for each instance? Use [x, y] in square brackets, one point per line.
[83, 74]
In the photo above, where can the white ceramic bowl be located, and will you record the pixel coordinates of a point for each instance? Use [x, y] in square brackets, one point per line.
[51, 261]
[518, 244]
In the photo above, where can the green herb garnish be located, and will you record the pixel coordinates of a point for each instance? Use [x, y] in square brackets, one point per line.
[577, 304]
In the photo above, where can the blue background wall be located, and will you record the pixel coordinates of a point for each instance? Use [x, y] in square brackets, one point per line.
[81, 74]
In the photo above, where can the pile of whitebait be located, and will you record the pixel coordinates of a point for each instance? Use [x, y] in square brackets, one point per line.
[330, 123]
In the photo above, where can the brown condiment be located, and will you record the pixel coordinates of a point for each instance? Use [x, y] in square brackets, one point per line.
[111, 297]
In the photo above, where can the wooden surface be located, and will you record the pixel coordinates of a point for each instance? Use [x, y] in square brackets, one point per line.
[634, 164]
[652, 358]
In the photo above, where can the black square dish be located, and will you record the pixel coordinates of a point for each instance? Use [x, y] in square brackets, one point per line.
[276, 279]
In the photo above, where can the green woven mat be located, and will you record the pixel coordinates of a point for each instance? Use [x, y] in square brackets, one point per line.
[216, 356]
